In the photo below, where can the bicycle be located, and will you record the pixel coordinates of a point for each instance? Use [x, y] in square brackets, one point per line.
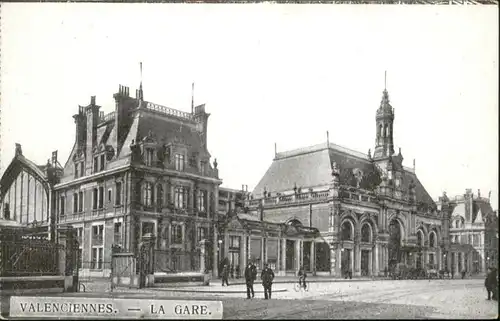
[299, 285]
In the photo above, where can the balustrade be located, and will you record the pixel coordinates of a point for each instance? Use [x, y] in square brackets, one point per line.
[169, 111]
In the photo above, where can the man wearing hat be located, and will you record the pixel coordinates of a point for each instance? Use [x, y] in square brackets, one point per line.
[491, 284]
[267, 277]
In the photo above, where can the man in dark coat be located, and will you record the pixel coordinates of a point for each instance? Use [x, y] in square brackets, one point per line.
[250, 276]
[491, 283]
[225, 275]
[267, 277]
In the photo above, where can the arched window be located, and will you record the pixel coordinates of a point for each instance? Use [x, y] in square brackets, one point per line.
[379, 130]
[346, 231]
[420, 238]
[432, 239]
[386, 131]
[366, 233]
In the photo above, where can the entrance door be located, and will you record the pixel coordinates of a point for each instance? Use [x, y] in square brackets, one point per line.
[365, 261]
[234, 264]
[307, 256]
[290, 254]
[346, 261]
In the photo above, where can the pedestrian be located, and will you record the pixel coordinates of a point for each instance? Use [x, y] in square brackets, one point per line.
[250, 276]
[302, 277]
[267, 277]
[225, 275]
[491, 284]
[464, 271]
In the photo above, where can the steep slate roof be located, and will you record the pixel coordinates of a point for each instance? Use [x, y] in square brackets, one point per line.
[484, 207]
[311, 167]
[308, 167]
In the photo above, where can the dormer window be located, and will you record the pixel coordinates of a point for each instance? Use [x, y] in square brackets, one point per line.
[179, 162]
[149, 157]
[203, 166]
[102, 162]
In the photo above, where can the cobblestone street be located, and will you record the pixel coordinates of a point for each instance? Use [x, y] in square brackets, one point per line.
[361, 299]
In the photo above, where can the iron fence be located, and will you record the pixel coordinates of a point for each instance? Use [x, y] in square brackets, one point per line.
[31, 257]
[172, 261]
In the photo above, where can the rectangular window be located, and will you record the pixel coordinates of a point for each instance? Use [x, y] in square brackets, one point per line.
[202, 198]
[102, 163]
[101, 197]
[176, 234]
[109, 195]
[96, 164]
[79, 233]
[118, 194]
[234, 242]
[96, 258]
[62, 203]
[180, 197]
[202, 232]
[118, 233]
[148, 194]
[97, 235]
[149, 157]
[94, 198]
[80, 202]
[75, 202]
[179, 162]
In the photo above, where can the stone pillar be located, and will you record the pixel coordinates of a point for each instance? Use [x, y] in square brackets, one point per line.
[448, 260]
[351, 254]
[283, 257]
[463, 261]
[312, 258]
[357, 262]
[376, 260]
[297, 255]
[438, 259]
[215, 253]
[426, 258]
[483, 260]
[278, 261]
[243, 251]
[202, 256]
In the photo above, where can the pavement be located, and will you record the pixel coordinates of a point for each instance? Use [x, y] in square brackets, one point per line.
[392, 299]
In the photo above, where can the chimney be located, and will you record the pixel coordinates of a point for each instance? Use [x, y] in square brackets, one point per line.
[123, 104]
[19, 150]
[92, 113]
[200, 116]
[80, 126]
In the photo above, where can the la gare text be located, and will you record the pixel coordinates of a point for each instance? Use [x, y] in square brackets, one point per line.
[181, 309]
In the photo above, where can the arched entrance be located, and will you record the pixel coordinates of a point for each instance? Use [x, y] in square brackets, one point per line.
[347, 239]
[394, 247]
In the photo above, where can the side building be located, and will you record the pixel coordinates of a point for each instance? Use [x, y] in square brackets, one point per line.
[473, 232]
[27, 194]
[143, 168]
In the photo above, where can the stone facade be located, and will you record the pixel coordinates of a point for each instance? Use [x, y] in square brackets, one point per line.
[370, 212]
[143, 168]
[473, 234]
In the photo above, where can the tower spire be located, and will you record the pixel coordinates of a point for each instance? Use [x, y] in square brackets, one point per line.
[141, 94]
[385, 80]
[192, 98]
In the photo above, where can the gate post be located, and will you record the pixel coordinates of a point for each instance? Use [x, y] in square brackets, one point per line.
[67, 245]
[146, 260]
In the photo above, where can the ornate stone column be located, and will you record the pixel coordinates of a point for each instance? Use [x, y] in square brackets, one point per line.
[283, 257]
[297, 255]
[312, 257]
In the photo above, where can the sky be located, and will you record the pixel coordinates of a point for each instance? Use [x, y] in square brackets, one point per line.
[268, 73]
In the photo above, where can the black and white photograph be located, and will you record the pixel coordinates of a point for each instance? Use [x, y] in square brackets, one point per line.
[258, 160]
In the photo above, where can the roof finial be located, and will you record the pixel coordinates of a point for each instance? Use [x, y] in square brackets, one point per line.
[140, 85]
[414, 164]
[327, 139]
[385, 80]
[192, 98]
[275, 150]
